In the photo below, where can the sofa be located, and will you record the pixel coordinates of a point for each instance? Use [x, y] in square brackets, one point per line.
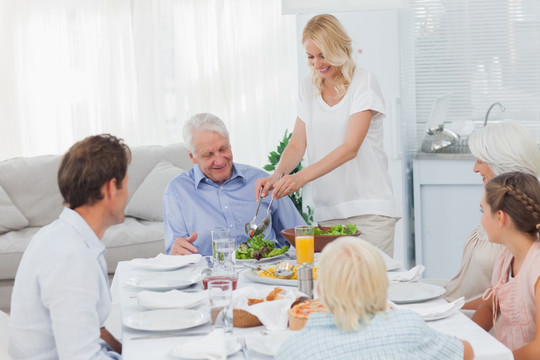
[30, 199]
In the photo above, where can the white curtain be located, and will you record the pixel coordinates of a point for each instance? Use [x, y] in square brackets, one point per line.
[139, 68]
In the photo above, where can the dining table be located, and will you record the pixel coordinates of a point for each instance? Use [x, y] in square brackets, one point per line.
[157, 344]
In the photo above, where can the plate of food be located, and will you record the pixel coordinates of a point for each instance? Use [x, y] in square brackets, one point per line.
[166, 319]
[266, 277]
[259, 249]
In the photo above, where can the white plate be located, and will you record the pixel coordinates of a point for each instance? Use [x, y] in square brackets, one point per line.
[263, 260]
[411, 292]
[166, 262]
[268, 344]
[231, 343]
[252, 275]
[165, 320]
[165, 281]
[174, 299]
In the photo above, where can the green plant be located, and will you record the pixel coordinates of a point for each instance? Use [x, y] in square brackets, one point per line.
[296, 197]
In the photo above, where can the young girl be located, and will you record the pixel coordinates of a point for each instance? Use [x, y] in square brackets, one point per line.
[511, 217]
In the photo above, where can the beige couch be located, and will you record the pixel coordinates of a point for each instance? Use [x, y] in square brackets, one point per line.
[30, 199]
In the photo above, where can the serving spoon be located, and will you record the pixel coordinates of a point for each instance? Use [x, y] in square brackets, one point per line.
[251, 226]
[266, 221]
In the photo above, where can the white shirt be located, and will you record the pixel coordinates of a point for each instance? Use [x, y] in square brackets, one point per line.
[61, 296]
[362, 185]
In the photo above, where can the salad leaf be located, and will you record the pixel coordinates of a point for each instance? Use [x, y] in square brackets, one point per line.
[349, 229]
[258, 248]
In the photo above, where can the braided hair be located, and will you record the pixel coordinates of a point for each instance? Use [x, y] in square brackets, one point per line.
[518, 195]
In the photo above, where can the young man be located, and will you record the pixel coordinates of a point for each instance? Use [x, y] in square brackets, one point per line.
[61, 295]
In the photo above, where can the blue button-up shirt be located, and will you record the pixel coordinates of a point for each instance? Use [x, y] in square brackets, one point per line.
[194, 203]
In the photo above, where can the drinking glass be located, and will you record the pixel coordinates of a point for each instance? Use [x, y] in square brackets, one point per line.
[221, 309]
[304, 241]
[218, 234]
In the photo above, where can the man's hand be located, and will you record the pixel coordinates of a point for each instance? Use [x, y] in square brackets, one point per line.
[184, 246]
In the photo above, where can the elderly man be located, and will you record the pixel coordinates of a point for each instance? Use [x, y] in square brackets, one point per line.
[216, 193]
[61, 296]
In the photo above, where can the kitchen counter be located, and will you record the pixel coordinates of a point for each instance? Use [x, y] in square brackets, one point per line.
[443, 156]
[447, 197]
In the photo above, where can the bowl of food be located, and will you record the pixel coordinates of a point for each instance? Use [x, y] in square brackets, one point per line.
[324, 234]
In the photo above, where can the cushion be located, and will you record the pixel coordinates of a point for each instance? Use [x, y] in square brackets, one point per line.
[33, 187]
[146, 202]
[146, 157]
[12, 218]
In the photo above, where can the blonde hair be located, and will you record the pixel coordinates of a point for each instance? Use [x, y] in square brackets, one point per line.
[506, 146]
[330, 37]
[352, 281]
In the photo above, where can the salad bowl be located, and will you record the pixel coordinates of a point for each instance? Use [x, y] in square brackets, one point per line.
[320, 241]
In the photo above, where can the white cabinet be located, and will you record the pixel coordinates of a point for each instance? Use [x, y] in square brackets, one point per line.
[447, 198]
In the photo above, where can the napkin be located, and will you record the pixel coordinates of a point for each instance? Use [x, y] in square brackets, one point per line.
[170, 299]
[437, 311]
[273, 314]
[411, 275]
[166, 261]
[212, 347]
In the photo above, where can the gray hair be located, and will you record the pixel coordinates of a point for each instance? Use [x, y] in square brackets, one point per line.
[205, 122]
[506, 147]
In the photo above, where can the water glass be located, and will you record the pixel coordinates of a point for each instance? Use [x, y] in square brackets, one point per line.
[221, 309]
[304, 242]
[218, 234]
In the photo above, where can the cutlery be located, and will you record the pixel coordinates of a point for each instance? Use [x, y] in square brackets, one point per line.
[266, 221]
[143, 337]
[244, 349]
[284, 269]
[252, 226]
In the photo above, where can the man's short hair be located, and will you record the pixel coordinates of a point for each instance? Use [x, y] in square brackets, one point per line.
[88, 165]
[205, 122]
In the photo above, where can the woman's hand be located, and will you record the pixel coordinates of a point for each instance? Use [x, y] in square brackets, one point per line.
[267, 184]
[288, 185]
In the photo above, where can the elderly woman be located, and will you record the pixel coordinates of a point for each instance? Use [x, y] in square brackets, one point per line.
[499, 148]
[353, 284]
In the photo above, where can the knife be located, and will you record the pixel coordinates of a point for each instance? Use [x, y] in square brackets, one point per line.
[169, 335]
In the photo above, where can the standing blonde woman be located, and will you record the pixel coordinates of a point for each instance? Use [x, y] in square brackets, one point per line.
[353, 285]
[340, 123]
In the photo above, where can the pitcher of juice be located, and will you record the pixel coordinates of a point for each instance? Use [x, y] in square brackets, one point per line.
[304, 243]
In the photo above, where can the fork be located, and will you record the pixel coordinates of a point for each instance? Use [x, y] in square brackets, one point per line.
[244, 348]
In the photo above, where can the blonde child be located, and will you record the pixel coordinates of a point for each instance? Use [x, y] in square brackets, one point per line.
[352, 284]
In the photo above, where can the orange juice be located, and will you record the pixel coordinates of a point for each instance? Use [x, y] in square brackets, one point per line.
[304, 249]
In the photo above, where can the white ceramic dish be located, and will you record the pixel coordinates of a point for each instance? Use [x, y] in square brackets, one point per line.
[166, 320]
[173, 299]
[262, 261]
[230, 342]
[165, 281]
[252, 275]
[268, 344]
[165, 262]
[411, 292]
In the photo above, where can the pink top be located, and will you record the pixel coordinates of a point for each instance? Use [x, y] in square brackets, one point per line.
[514, 309]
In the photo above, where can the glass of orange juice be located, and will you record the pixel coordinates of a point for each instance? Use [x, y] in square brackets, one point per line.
[304, 244]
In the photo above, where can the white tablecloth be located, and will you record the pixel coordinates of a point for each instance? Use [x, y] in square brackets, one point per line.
[485, 346]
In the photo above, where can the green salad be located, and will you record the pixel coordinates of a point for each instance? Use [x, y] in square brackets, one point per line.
[258, 248]
[349, 229]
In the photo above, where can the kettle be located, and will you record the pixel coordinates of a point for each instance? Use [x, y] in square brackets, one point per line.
[438, 138]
